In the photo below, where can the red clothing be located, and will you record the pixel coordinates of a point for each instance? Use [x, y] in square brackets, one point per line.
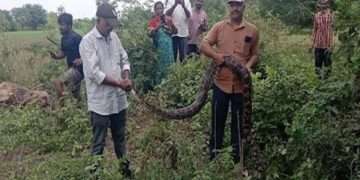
[156, 21]
[323, 30]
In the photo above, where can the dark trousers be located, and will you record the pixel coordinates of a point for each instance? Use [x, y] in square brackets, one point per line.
[117, 124]
[193, 50]
[322, 58]
[180, 46]
[220, 107]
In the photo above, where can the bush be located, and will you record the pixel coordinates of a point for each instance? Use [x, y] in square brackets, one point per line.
[44, 129]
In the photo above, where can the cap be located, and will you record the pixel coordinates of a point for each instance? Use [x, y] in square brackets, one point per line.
[323, 3]
[229, 1]
[106, 10]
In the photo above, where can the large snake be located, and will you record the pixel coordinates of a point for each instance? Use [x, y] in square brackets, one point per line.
[201, 97]
[207, 83]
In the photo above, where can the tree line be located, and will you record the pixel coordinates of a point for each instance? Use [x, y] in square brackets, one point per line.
[27, 17]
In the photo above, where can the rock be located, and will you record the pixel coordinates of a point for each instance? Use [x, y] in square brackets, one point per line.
[13, 94]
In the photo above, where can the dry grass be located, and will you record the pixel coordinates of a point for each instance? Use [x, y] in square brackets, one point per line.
[23, 55]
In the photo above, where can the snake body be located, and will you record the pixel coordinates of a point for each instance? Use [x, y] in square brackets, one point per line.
[201, 97]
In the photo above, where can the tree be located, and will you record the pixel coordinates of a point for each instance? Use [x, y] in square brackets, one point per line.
[348, 29]
[30, 16]
[6, 21]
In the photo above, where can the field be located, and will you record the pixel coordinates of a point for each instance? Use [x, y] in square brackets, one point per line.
[304, 128]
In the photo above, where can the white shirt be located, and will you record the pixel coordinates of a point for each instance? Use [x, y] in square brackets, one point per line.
[179, 18]
[103, 57]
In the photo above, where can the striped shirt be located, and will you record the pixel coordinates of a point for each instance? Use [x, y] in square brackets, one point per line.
[322, 35]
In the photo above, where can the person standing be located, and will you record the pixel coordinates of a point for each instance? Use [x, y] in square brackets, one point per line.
[238, 39]
[106, 69]
[161, 29]
[180, 11]
[70, 42]
[323, 39]
[197, 26]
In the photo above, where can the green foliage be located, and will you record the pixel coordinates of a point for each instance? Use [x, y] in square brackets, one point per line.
[305, 128]
[296, 122]
[216, 10]
[44, 129]
[82, 26]
[139, 46]
[63, 167]
[182, 84]
[4, 54]
[297, 13]
[49, 72]
[347, 23]
[30, 16]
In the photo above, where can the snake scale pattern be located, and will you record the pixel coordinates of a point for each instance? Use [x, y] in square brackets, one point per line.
[201, 97]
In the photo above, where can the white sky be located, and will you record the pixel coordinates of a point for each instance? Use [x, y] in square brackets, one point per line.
[78, 8]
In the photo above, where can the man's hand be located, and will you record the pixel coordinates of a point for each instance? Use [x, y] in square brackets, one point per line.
[203, 26]
[128, 84]
[77, 62]
[125, 74]
[248, 67]
[328, 50]
[125, 85]
[219, 59]
[52, 54]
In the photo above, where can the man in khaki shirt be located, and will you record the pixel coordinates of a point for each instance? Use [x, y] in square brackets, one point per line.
[239, 39]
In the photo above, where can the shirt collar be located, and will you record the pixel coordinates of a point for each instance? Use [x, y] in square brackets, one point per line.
[98, 35]
[237, 27]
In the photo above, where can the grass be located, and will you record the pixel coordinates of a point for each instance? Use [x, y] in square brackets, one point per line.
[149, 142]
[24, 55]
[21, 39]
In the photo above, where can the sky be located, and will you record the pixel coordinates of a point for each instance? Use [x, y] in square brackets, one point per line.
[78, 8]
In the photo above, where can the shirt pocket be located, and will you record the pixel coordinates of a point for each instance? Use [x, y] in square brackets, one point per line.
[243, 46]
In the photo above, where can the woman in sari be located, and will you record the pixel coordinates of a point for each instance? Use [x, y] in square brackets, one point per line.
[160, 29]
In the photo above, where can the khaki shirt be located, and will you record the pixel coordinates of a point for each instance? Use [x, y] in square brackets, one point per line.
[240, 41]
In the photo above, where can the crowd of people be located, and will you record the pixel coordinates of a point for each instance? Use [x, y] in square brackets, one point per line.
[176, 30]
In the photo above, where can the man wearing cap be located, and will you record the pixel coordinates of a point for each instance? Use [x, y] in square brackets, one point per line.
[322, 39]
[180, 11]
[233, 38]
[106, 69]
[70, 49]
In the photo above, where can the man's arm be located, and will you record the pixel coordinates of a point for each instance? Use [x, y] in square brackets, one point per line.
[170, 10]
[58, 55]
[210, 52]
[125, 69]
[187, 8]
[124, 60]
[207, 49]
[254, 51]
